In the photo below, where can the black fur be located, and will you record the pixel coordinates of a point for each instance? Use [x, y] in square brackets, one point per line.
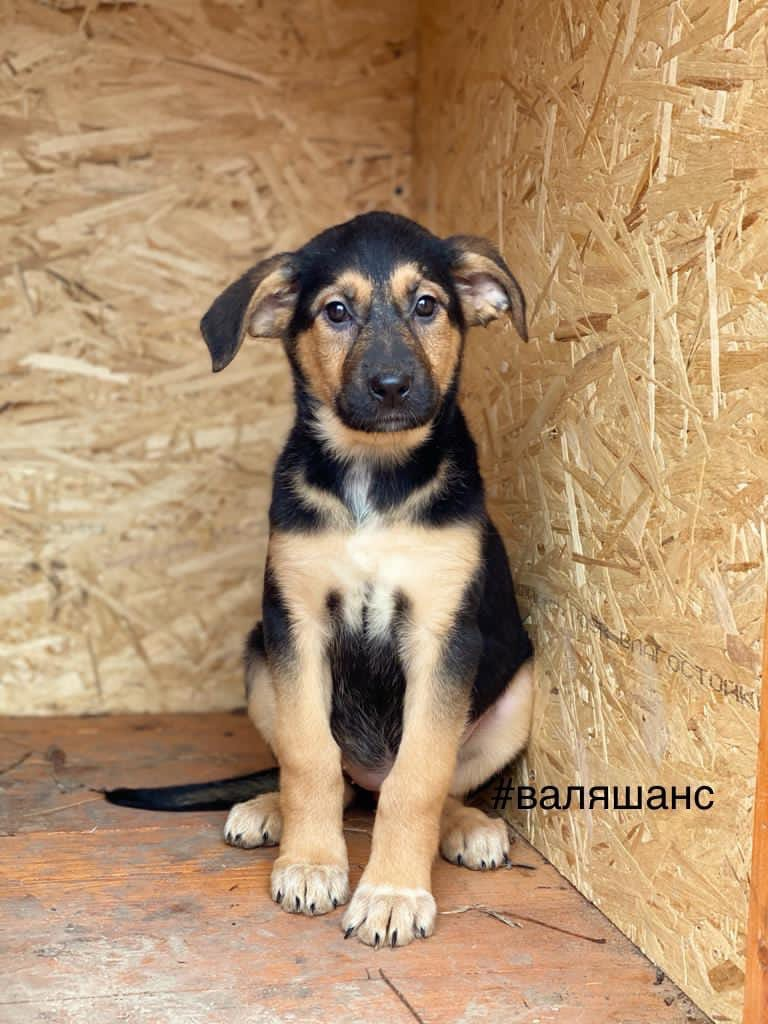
[199, 796]
[368, 691]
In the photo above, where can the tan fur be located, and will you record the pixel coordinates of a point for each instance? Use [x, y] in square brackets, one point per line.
[441, 343]
[313, 854]
[393, 900]
[271, 305]
[403, 281]
[383, 448]
[255, 822]
[351, 288]
[331, 509]
[406, 281]
[322, 349]
[498, 738]
[321, 352]
[439, 340]
[261, 700]
[486, 292]
[471, 838]
[430, 565]
[259, 822]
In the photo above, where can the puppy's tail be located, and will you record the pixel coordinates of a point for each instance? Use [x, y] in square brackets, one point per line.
[199, 796]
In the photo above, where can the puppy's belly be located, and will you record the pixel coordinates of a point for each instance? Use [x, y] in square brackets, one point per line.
[368, 685]
[366, 777]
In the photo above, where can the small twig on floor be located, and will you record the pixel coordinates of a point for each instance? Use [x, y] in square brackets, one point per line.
[483, 910]
[402, 998]
[61, 807]
[500, 917]
[563, 931]
[490, 912]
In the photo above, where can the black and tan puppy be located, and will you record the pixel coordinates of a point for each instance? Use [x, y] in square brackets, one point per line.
[391, 651]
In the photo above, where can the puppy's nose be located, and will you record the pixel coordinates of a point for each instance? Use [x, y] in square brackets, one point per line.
[391, 389]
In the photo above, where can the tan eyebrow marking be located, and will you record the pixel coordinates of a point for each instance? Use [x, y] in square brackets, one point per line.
[355, 287]
[406, 279]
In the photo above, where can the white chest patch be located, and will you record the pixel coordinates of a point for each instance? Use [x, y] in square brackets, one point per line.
[357, 492]
[368, 591]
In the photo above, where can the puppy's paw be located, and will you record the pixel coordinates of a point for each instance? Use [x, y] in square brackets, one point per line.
[256, 822]
[471, 838]
[384, 915]
[302, 888]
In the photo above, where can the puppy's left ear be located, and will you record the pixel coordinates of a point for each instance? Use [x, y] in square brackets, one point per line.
[260, 303]
[486, 287]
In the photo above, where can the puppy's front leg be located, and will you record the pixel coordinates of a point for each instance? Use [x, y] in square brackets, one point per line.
[311, 874]
[393, 903]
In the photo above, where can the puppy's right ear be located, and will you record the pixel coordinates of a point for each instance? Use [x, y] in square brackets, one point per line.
[260, 303]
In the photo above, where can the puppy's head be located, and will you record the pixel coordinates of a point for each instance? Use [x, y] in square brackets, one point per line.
[372, 314]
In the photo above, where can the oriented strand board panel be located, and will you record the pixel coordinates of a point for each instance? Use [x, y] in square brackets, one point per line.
[617, 154]
[148, 154]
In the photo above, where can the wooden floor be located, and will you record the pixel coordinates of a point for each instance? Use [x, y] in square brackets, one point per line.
[109, 914]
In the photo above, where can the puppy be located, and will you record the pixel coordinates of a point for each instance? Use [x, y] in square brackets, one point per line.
[391, 654]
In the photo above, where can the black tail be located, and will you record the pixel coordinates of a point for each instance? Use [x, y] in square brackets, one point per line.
[199, 796]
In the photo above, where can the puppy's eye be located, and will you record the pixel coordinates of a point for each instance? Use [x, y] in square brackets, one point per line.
[425, 306]
[337, 312]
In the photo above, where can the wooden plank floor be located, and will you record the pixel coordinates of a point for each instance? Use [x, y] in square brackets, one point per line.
[109, 914]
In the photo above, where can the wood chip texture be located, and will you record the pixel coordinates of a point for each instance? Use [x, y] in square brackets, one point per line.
[149, 153]
[617, 155]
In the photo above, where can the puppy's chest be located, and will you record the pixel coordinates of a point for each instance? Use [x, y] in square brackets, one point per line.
[369, 570]
[369, 578]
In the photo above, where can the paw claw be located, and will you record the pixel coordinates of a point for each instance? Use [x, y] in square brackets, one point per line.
[311, 889]
[255, 822]
[471, 839]
[389, 915]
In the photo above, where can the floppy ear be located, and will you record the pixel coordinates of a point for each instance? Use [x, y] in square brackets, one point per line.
[259, 303]
[485, 283]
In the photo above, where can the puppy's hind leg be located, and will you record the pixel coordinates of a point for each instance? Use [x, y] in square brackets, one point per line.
[498, 736]
[468, 836]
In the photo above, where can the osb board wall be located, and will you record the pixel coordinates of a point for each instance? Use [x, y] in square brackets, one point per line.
[148, 154]
[617, 154]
